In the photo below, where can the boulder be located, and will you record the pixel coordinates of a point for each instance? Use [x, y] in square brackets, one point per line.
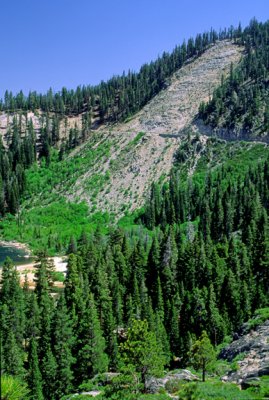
[254, 348]
[153, 385]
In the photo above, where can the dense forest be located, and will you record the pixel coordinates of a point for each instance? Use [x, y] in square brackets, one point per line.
[241, 103]
[196, 265]
[203, 268]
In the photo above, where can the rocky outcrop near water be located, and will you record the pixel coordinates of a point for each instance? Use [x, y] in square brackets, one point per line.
[253, 349]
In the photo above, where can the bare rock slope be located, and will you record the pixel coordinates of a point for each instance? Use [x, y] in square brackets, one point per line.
[142, 149]
[253, 348]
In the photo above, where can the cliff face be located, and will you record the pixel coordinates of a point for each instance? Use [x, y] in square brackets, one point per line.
[253, 346]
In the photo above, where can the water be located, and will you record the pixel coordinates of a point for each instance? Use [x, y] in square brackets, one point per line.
[19, 256]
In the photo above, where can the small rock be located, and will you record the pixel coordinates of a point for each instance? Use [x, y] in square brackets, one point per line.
[154, 384]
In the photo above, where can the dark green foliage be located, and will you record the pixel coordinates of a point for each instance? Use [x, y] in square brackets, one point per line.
[137, 298]
[240, 104]
[63, 340]
[34, 375]
[12, 320]
[20, 154]
[91, 357]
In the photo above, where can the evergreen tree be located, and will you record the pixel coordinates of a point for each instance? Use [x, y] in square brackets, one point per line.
[34, 375]
[141, 351]
[202, 354]
[63, 341]
[91, 356]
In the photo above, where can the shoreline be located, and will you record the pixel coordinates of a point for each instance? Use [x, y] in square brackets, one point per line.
[28, 267]
[16, 245]
[29, 270]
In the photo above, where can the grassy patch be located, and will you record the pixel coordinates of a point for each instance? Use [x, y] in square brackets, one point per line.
[46, 183]
[213, 390]
[260, 316]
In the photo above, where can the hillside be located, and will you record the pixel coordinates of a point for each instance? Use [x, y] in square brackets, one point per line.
[143, 148]
[114, 169]
[239, 107]
[165, 233]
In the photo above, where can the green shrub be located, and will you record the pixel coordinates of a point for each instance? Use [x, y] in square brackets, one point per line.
[173, 385]
[13, 388]
[260, 316]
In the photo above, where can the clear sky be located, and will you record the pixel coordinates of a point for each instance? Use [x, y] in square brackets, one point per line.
[56, 43]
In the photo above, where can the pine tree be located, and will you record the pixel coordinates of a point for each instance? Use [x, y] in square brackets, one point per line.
[202, 354]
[12, 363]
[34, 375]
[91, 356]
[141, 352]
[63, 341]
[48, 369]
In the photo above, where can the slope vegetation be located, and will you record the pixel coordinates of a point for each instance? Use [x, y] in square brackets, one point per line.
[239, 108]
[113, 170]
[142, 149]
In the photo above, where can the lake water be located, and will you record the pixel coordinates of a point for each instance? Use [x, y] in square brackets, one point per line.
[19, 256]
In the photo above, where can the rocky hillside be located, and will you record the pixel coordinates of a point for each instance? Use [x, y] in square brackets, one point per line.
[141, 150]
[250, 350]
[38, 119]
[239, 107]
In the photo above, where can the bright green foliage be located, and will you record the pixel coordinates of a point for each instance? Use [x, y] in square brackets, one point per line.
[213, 390]
[13, 389]
[141, 351]
[202, 354]
[260, 316]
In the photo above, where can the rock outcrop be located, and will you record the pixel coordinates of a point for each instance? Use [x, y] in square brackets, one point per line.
[134, 164]
[153, 385]
[254, 348]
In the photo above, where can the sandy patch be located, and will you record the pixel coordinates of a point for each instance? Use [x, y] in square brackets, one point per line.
[29, 271]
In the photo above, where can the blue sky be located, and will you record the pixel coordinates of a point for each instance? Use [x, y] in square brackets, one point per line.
[56, 43]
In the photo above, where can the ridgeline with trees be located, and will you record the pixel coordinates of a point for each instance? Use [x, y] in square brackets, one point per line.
[240, 105]
[121, 96]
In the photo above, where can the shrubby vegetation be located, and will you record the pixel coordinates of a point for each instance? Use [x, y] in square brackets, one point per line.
[201, 268]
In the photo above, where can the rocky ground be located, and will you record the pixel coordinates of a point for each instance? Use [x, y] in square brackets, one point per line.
[136, 160]
[38, 121]
[253, 347]
[168, 116]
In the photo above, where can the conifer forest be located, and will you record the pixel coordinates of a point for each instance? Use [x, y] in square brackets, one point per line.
[147, 292]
